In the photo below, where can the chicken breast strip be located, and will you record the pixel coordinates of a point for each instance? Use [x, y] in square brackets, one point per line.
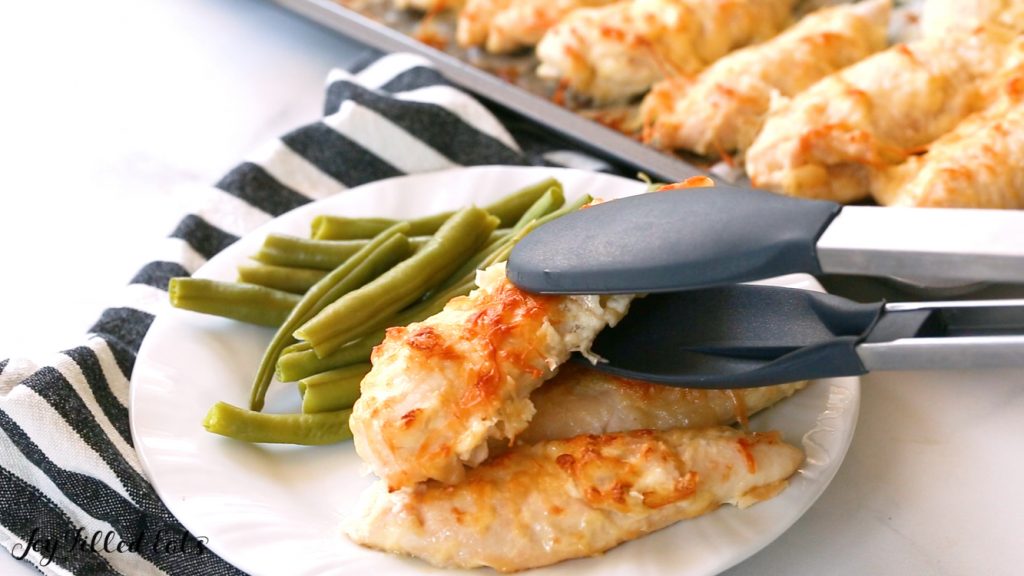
[721, 109]
[431, 6]
[612, 53]
[581, 400]
[502, 26]
[980, 164]
[943, 16]
[439, 389]
[826, 141]
[537, 505]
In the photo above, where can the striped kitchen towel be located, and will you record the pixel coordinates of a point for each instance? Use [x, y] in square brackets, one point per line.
[73, 496]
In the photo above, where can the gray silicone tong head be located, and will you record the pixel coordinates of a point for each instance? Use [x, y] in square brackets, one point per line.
[684, 239]
[743, 335]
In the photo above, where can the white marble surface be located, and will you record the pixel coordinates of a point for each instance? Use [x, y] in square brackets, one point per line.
[109, 108]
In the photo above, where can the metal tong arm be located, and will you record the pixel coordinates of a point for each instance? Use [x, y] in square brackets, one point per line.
[967, 334]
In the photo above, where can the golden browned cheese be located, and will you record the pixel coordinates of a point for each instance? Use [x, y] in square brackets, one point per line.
[581, 400]
[439, 389]
[502, 26]
[980, 164]
[428, 5]
[721, 109]
[612, 53]
[541, 504]
[943, 16]
[827, 140]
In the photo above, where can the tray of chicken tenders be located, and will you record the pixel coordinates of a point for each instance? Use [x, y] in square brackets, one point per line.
[917, 103]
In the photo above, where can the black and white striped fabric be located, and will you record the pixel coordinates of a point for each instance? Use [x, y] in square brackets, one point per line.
[73, 496]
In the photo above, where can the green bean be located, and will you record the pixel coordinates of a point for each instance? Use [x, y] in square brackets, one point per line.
[428, 225]
[294, 252]
[294, 280]
[243, 302]
[386, 250]
[296, 347]
[332, 390]
[347, 318]
[325, 227]
[508, 210]
[568, 208]
[250, 426]
[511, 208]
[546, 204]
[297, 363]
[552, 200]
[300, 361]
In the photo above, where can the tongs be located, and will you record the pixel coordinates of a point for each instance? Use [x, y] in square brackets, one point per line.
[745, 335]
[699, 327]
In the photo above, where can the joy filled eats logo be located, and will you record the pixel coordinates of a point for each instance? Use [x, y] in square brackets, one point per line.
[58, 547]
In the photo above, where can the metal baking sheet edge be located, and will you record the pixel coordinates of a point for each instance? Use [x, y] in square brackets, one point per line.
[586, 133]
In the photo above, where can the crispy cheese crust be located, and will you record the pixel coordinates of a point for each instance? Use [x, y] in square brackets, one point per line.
[614, 52]
[428, 5]
[943, 16]
[979, 164]
[827, 140]
[439, 389]
[562, 499]
[502, 26]
[721, 109]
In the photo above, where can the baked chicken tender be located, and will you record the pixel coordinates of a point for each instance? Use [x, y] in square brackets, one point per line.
[439, 389]
[582, 400]
[428, 5]
[943, 16]
[612, 53]
[721, 109]
[827, 140]
[503, 26]
[541, 504]
[980, 164]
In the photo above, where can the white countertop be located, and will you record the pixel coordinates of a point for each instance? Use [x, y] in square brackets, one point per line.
[110, 108]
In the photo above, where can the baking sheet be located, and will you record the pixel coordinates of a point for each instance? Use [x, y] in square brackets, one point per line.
[510, 81]
[494, 82]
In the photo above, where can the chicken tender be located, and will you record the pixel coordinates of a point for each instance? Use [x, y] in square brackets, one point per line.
[581, 400]
[721, 109]
[439, 389]
[541, 504]
[943, 16]
[612, 53]
[980, 164]
[827, 141]
[502, 26]
[432, 6]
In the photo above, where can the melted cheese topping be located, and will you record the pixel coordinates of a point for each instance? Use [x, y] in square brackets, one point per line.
[439, 389]
[563, 499]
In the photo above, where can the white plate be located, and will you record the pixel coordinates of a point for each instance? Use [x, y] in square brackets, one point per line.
[277, 509]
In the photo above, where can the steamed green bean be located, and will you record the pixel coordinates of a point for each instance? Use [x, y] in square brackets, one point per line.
[347, 318]
[332, 390]
[300, 361]
[386, 250]
[552, 200]
[250, 426]
[293, 251]
[288, 279]
[508, 210]
[244, 302]
[283, 250]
